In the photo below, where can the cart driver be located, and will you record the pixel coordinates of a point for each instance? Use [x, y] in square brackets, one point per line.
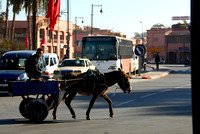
[32, 65]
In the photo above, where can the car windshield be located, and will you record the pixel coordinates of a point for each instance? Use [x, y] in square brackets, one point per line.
[12, 63]
[73, 63]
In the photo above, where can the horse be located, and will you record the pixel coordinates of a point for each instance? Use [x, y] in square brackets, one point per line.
[92, 86]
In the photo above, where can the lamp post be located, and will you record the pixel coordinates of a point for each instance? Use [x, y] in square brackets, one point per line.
[142, 34]
[75, 54]
[68, 36]
[101, 11]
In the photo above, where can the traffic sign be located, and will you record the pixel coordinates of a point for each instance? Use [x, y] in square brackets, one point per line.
[140, 50]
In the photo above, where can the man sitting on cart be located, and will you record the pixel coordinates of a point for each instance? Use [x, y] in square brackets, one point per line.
[32, 65]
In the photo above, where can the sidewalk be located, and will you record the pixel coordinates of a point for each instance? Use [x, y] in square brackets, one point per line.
[152, 74]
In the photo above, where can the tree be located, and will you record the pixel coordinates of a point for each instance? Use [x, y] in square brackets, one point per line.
[17, 5]
[28, 9]
[35, 7]
[2, 16]
[6, 22]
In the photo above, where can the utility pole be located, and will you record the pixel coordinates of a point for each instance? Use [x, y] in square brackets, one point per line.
[68, 36]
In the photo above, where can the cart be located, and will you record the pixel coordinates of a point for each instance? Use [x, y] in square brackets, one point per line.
[33, 106]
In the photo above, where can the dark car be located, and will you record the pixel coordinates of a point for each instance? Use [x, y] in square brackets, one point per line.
[12, 67]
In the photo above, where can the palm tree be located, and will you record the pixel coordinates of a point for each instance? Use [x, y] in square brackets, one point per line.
[35, 6]
[6, 22]
[17, 4]
[32, 6]
[28, 9]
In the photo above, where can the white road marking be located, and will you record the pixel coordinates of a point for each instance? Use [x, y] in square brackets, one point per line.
[147, 95]
[165, 90]
[144, 96]
[123, 103]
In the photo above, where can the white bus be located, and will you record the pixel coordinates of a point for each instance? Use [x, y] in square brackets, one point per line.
[109, 53]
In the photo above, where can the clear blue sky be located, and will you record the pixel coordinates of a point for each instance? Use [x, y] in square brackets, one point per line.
[123, 15]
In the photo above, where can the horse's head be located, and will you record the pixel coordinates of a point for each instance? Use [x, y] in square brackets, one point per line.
[123, 81]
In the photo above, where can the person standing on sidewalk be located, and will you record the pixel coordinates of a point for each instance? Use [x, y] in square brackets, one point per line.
[157, 60]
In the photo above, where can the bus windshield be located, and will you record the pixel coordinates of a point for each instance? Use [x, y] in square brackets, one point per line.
[96, 50]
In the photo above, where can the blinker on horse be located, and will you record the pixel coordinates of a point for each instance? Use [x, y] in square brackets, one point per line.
[95, 85]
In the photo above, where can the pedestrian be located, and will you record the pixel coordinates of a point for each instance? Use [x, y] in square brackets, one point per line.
[157, 60]
[32, 67]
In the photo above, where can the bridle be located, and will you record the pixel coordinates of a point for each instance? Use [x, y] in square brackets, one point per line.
[123, 85]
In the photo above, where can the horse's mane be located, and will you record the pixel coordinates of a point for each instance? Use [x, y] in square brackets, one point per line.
[126, 75]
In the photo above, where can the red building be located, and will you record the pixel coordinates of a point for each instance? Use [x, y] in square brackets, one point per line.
[78, 33]
[172, 44]
[57, 39]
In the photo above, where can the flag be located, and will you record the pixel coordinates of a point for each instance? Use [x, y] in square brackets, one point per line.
[43, 40]
[56, 12]
[53, 13]
[26, 41]
[50, 12]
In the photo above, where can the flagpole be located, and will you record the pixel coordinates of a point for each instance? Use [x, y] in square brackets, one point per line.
[47, 37]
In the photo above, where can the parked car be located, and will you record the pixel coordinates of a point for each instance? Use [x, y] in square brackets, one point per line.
[12, 67]
[52, 62]
[77, 65]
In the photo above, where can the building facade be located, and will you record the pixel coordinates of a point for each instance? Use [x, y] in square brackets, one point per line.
[56, 41]
[171, 44]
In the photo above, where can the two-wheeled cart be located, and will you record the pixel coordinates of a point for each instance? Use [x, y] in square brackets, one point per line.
[34, 106]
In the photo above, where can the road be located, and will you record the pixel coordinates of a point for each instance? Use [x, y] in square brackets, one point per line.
[159, 106]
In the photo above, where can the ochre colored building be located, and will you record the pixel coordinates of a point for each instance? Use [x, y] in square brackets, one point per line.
[56, 40]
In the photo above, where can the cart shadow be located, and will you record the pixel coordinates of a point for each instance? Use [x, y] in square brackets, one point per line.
[24, 121]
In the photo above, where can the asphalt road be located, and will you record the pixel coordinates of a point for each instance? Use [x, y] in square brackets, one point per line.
[160, 106]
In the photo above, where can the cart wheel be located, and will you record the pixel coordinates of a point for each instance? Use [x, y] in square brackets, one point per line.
[36, 110]
[22, 106]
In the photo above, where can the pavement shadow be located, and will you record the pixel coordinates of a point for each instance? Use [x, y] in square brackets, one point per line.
[177, 102]
[26, 121]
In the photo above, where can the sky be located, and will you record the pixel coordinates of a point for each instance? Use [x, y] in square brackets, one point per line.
[125, 16]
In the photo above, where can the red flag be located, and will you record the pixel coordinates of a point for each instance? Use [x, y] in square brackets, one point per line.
[43, 40]
[53, 13]
[56, 12]
[26, 41]
[50, 12]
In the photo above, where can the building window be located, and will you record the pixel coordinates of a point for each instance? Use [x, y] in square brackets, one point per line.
[172, 39]
[41, 33]
[155, 39]
[184, 38]
[61, 37]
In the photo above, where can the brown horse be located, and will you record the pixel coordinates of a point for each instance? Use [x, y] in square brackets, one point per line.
[94, 87]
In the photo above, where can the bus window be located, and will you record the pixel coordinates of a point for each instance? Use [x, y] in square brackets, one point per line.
[100, 50]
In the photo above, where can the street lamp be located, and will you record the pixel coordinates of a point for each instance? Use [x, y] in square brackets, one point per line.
[101, 11]
[142, 34]
[75, 55]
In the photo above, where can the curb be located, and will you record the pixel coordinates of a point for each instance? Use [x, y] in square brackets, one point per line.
[157, 76]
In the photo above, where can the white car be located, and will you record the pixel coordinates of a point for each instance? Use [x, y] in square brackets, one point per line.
[52, 62]
[77, 65]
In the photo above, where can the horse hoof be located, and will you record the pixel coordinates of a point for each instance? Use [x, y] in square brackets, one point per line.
[55, 118]
[74, 116]
[88, 118]
[111, 115]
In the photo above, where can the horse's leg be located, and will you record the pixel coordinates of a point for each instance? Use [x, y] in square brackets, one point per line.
[105, 97]
[94, 97]
[68, 103]
[55, 110]
[57, 102]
